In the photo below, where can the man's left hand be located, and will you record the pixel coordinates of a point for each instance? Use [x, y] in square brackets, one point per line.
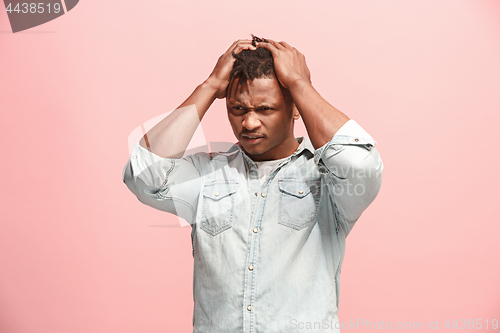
[289, 64]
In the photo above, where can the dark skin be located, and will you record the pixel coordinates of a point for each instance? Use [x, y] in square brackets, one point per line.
[259, 109]
[321, 119]
[170, 137]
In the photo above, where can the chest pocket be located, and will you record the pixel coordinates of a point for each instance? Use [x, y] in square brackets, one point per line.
[299, 201]
[218, 206]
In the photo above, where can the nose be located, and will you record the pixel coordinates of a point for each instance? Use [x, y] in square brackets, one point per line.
[251, 121]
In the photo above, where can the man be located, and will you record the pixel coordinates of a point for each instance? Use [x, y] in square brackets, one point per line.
[270, 216]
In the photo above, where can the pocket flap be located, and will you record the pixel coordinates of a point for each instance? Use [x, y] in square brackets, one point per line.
[219, 190]
[297, 188]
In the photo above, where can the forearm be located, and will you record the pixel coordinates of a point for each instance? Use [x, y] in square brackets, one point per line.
[171, 136]
[321, 119]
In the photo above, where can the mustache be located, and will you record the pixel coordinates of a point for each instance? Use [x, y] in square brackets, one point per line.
[253, 134]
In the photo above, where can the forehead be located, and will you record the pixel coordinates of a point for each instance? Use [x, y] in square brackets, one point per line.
[259, 90]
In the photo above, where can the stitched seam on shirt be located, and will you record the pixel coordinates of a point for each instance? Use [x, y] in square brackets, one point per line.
[192, 239]
[178, 200]
[172, 161]
[349, 138]
[337, 222]
[257, 240]
[316, 197]
[337, 288]
[255, 262]
[217, 230]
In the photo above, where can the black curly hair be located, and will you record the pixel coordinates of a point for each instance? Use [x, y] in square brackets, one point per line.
[253, 64]
[256, 64]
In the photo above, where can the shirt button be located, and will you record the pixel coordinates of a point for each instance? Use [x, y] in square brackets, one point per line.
[356, 139]
[255, 230]
[216, 194]
[250, 267]
[263, 194]
[300, 192]
[249, 308]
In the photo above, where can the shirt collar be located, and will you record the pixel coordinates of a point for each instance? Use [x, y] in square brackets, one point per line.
[304, 145]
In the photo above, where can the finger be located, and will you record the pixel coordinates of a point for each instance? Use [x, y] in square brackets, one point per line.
[240, 41]
[235, 43]
[232, 45]
[271, 47]
[298, 52]
[276, 44]
[286, 45]
[243, 46]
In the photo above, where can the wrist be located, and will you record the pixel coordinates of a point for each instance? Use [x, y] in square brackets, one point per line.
[215, 86]
[299, 85]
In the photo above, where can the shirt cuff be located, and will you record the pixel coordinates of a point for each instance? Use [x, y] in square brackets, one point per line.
[351, 133]
[140, 159]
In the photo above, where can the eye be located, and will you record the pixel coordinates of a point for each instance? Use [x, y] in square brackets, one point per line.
[265, 108]
[237, 107]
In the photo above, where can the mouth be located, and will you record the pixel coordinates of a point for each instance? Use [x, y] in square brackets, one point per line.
[252, 139]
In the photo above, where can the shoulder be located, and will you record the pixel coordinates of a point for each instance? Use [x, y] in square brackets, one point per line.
[220, 151]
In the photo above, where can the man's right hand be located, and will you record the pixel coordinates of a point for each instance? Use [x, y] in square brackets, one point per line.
[171, 136]
[219, 78]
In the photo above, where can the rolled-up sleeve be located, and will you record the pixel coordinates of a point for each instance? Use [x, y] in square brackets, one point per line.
[167, 184]
[354, 172]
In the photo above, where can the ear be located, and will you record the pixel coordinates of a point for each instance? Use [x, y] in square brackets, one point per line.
[296, 113]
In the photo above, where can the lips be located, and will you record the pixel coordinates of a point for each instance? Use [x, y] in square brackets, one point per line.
[252, 139]
[252, 136]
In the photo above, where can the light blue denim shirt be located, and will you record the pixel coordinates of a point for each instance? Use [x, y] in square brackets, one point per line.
[267, 258]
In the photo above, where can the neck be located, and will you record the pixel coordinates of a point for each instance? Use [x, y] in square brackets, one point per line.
[283, 150]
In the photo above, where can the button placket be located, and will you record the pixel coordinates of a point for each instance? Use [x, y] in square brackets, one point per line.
[257, 206]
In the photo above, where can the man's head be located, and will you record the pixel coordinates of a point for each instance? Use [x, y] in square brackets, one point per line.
[259, 106]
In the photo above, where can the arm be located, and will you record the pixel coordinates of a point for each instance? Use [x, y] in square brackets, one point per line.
[156, 172]
[344, 150]
[321, 119]
[354, 169]
[171, 136]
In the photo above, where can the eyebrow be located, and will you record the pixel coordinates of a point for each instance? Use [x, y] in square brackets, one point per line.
[268, 105]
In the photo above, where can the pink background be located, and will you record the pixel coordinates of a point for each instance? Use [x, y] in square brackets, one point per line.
[79, 252]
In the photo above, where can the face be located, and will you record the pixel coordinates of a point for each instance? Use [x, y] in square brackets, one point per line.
[262, 114]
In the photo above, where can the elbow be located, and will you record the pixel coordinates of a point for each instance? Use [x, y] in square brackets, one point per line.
[142, 187]
[357, 180]
[369, 174]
